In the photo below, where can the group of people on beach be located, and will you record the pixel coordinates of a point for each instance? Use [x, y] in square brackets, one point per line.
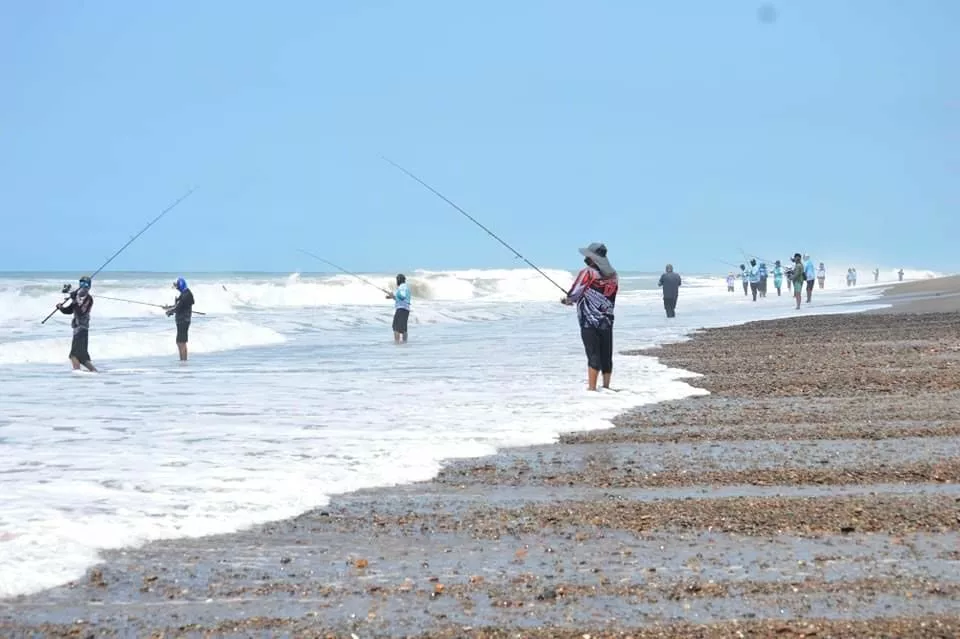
[79, 304]
[594, 293]
[799, 274]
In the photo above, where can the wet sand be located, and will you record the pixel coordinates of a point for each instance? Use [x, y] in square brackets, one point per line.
[814, 492]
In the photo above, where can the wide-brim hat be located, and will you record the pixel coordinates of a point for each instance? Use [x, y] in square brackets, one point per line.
[600, 260]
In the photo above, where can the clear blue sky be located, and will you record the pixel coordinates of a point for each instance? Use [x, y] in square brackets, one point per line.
[670, 130]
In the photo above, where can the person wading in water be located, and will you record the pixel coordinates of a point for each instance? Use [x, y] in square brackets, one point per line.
[595, 294]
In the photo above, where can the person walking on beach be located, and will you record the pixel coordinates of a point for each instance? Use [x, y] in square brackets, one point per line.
[777, 276]
[79, 305]
[401, 314]
[670, 283]
[876, 275]
[594, 291]
[754, 275]
[900, 274]
[810, 271]
[745, 278]
[762, 272]
[821, 274]
[731, 281]
[798, 277]
[182, 310]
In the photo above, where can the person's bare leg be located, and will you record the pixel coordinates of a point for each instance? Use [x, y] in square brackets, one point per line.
[76, 363]
[592, 375]
[403, 338]
[90, 366]
[606, 379]
[182, 347]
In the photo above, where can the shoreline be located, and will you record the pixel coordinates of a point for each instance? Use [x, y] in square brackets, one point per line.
[576, 533]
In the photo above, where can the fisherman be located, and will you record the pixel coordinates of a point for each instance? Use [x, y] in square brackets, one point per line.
[746, 279]
[731, 280]
[876, 275]
[762, 272]
[401, 302]
[183, 310]
[821, 274]
[777, 276]
[670, 283]
[595, 294]
[810, 271]
[797, 277]
[753, 274]
[81, 302]
[900, 274]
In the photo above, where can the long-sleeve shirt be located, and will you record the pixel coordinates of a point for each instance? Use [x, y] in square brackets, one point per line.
[79, 307]
[671, 285]
[401, 297]
[595, 297]
[183, 306]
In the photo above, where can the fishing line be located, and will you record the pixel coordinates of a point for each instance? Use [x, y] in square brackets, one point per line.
[118, 299]
[472, 219]
[129, 242]
[343, 270]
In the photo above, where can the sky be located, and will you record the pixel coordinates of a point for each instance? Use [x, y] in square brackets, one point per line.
[672, 131]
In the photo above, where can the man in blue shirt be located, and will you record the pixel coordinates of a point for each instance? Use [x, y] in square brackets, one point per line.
[810, 271]
[401, 302]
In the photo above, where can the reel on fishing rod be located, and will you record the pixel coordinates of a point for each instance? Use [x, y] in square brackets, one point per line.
[66, 289]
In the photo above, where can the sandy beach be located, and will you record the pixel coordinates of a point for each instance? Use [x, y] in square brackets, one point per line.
[813, 493]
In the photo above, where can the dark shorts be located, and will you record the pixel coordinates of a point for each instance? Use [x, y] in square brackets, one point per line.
[400, 317]
[78, 348]
[809, 285]
[598, 344]
[182, 329]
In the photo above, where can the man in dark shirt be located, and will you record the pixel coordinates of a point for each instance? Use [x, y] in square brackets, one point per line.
[183, 310]
[670, 282]
[79, 305]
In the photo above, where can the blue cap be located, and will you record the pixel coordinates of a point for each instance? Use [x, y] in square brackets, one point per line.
[180, 284]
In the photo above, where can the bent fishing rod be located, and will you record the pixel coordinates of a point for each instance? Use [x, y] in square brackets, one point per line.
[129, 242]
[343, 270]
[472, 219]
[118, 299]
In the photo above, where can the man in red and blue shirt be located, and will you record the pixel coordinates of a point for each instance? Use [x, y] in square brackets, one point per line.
[595, 293]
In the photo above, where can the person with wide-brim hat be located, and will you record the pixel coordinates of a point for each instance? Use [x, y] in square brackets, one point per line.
[594, 291]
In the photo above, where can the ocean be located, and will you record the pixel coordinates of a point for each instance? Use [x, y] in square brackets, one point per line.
[296, 392]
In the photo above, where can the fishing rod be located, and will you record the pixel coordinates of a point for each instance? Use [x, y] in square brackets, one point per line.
[340, 268]
[472, 219]
[756, 257]
[129, 242]
[118, 299]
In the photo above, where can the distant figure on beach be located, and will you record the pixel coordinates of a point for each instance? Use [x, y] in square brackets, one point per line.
[762, 272]
[777, 276]
[79, 305]
[876, 275]
[798, 277]
[810, 271]
[401, 304]
[183, 310]
[731, 281]
[595, 294]
[821, 274]
[753, 273]
[900, 274]
[670, 283]
[851, 277]
[745, 277]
